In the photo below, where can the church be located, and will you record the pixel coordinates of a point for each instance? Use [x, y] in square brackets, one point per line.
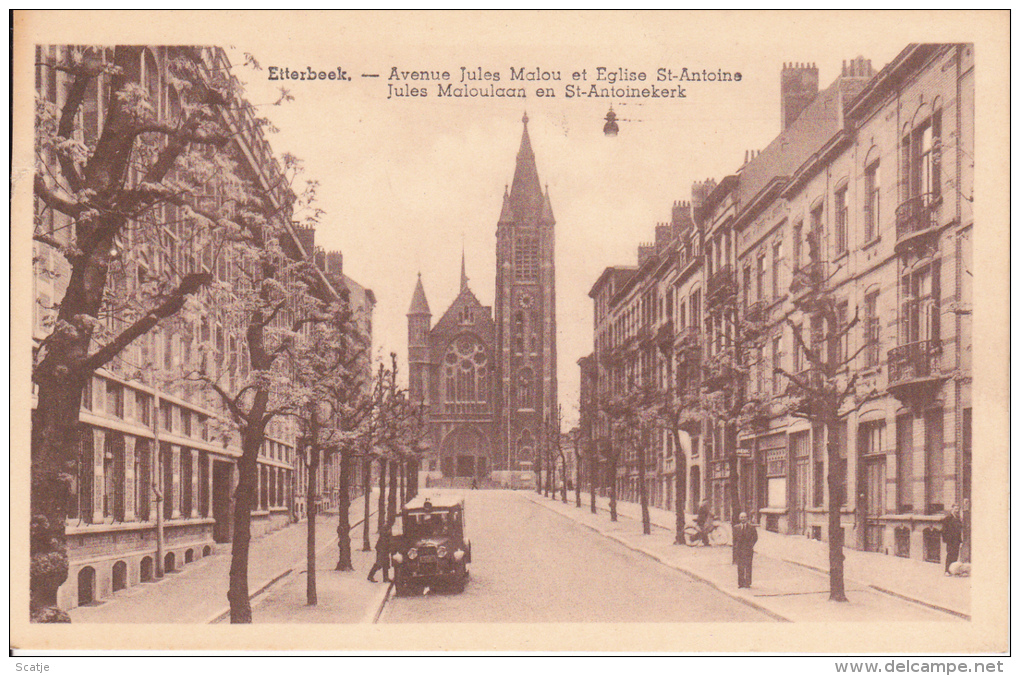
[486, 374]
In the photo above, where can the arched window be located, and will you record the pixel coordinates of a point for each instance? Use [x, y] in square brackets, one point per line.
[466, 371]
[525, 446]
[525, 389]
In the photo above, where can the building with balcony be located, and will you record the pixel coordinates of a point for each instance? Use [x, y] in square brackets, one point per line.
[156, 451]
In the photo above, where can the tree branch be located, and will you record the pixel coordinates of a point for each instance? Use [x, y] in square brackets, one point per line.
[51, 199]
[190, 284]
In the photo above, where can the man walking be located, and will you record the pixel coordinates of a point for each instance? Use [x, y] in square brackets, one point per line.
[382, 554]
[744, 537]
[952, 534]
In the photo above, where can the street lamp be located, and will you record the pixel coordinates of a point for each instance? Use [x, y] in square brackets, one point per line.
[611, 128]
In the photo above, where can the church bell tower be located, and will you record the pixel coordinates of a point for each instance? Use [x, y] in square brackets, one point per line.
[525, 315]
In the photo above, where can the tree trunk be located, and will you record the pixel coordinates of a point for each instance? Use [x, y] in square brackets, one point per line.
[381, 516]
[343, 526]
[680, 492]
[55, 448]
[646, 519]
[391, 503]
[577, 484]
[593, 473]
[403, 484]
[563, 487]
[835, 485]
[538, 473]
[237, 595]
[412, 480]
[366, 482]
[311, 593]
[612, 490]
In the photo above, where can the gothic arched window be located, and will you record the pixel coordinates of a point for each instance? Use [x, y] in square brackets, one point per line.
[525, 446]
[525, 389]
[466, 371]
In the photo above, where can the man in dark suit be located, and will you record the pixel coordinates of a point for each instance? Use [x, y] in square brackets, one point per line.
[952, 535]
[703, 519]
[744, 537]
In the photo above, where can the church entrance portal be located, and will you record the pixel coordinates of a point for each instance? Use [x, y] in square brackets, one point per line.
[465, 454]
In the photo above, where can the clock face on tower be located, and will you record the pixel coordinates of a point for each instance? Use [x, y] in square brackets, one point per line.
[524, 301]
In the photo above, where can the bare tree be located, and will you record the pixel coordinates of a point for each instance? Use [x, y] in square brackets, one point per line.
[143, 177]
[824, 393]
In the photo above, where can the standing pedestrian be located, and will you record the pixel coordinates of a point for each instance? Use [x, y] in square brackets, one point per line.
[952, 535]
[744, 537]
[382, 554]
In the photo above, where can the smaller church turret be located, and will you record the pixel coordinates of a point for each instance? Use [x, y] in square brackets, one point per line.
[419, 323]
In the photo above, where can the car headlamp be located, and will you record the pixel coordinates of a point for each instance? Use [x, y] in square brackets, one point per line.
[458, 555]
[398, 558]
[412, 553]
[441, 551]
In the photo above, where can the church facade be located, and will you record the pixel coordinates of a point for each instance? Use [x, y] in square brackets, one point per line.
[487, 373]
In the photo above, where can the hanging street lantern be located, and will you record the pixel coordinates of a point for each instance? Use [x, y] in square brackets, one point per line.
[611, 128]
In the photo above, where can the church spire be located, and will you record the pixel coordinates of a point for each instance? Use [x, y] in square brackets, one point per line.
[526, 189]
[463, 270]
[419, 304]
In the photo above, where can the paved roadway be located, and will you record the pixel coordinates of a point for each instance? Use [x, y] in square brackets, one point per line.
[533, 565]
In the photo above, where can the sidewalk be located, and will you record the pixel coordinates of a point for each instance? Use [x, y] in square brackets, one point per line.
[198, 594]
[790, 573]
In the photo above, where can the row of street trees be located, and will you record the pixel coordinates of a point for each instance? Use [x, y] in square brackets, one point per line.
[714, 386]
[161, 219]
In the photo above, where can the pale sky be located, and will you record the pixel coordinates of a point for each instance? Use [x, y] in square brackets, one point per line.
[406, 182]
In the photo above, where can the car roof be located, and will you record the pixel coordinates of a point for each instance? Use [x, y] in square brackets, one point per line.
[436, 501]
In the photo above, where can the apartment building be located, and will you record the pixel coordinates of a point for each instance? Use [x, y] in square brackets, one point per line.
[157, 467]
[868, 186]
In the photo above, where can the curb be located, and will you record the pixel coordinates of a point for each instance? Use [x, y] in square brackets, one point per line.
[373, 617]
[903, 597]
[686, 571]
[219, 616]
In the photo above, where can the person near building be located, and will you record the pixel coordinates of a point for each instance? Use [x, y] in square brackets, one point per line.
[703, 519]
[744, 537]
[952, 535]
[382, 554]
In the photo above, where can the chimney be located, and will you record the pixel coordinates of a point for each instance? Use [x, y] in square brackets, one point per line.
[644, 252]
[306, 237]
[700, 191]
[334, 263]
[798, 87]
[682, 220]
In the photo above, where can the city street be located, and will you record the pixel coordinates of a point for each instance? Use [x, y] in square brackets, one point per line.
[532, 565]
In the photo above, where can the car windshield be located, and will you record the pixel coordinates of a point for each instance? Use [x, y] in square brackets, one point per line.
[426, 524]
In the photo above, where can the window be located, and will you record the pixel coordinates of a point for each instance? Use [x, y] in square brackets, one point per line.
[921, 159]
[934, 472]
[777, 362]
[525, 390]
[842, 308]
[872, 201]
[798, 238]
[166, 416]
[841, 222]
[143, 479]
[777, 257]
[815, 234]
[696, 309]
[871, 437]
[114, 399]
[919, 315]
[818, 465]
[760, 286]
[465, 371]
[526, 258]
[186, 476]
[142, 404]
[872, 356]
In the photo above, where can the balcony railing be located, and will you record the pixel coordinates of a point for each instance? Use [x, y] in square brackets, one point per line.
[810, 275]
[915, 218]
[915, 362]
[755, 312]
[722, 285]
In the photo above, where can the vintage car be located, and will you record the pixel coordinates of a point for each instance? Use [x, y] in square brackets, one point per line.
[431, 550]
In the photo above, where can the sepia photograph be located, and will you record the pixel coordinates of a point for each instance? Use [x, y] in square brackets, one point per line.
[510, 331]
